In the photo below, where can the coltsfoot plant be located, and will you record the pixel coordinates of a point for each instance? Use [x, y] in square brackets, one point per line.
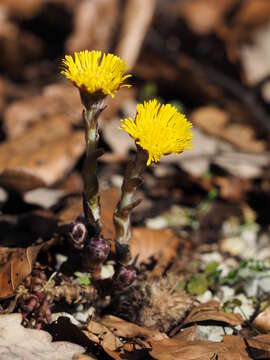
[157, 130]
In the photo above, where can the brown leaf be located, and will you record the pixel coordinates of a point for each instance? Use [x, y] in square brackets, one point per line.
[41, 156]
[232, 348]
[203, 16]
[111, 331]
[188, 334]
[262, 321]
[208, 149]
[16, 264]
[23, 8]
[122, 328]
[261, 342]
[253, 13]
[160, 244]
[103, 336]
[16, 44]
[83, 357]
[57, 99]
[232, 188]
[215, 121]
[210, 311]
[108, 201]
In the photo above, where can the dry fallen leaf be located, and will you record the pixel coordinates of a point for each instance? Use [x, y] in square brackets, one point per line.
[57, 99]
[122, 328]
[209, 150]
[231, 348]
[103, 336]
[82, 357]
[17, 342]
[41, 156]
[26, 8]
[161, 244]
[215, 121]
[15, 265]
[16, 44]
[252, 13]
[203, 16]
[232, 188]
[116, 336]
[261, 342]
[262, 321]
[211, 311]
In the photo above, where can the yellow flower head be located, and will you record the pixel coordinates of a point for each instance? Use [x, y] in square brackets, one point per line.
[159, 129]
[93, 72]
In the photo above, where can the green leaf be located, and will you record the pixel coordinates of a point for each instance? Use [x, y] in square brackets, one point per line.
[83, 278]
[181, 285]
[211, 268]
[197, 285]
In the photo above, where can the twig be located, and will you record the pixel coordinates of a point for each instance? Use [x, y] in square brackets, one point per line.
[137, 18]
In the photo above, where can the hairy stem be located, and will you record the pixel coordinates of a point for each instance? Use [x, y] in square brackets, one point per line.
[121, 218]
[91, 199]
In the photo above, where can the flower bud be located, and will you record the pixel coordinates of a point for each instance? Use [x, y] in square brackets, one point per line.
[96, 252]
[78, 234]
[125, 276]
[30, 304]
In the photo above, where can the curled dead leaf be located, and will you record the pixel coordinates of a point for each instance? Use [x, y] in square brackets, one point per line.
[15, 265]
[119, 337]
[262, 321]
[210, 311]
[231, 348]
[122, 328]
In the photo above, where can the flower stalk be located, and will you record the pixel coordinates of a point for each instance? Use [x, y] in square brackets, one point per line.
[96, 75]
[91, 200]
[158, 130]
[121, 218]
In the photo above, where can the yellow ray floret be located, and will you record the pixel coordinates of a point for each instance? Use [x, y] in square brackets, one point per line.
[159, 129]
[94, 72]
